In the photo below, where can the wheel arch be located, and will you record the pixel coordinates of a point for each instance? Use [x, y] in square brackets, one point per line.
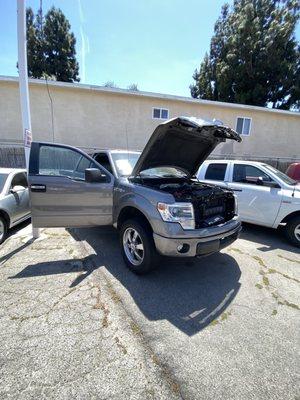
[6, 217]
[288, 217]
[129, 212]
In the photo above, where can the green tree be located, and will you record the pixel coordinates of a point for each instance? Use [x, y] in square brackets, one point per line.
[254, 56]
[34, 66]
[51, 46]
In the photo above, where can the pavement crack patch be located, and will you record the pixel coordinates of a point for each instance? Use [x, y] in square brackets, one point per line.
[113, 294]
[263, 264]
[288, 259]
[274, 271]
[38, 247]
[282, 302]
[164, 371]
[259, 260]
[236, 250]
[265, 280]
[25, 317]
[279, 299]
[44, 314]
[223, 317]
[166, 374]
[99, 305]
[121, 345]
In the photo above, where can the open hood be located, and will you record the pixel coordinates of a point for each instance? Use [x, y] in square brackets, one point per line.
[183, 142]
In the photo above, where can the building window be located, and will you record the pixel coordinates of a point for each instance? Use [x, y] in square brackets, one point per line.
[243, 125]
[160, 113]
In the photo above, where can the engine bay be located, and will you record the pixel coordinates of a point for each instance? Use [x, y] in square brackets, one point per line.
[213, 205]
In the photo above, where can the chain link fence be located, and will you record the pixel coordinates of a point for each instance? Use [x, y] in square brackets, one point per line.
[280, 163]
[13, 157]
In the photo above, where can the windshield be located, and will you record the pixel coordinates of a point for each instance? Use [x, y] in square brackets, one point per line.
[163, 172]
[286, 179]
[125, 162]
[2, 181]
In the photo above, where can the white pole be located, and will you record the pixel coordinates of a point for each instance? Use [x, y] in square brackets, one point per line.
[23, 85]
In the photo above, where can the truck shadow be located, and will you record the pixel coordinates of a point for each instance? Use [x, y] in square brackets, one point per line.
[268, 239]
[188, 294]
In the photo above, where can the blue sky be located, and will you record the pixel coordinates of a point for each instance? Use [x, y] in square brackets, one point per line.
[154, 43]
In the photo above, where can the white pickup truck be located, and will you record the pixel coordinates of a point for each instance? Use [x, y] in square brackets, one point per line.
[266, 196]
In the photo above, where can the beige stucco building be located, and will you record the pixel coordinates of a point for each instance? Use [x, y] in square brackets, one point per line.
[97, 117]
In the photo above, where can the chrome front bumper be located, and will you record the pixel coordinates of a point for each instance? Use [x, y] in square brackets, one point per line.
[200, 246]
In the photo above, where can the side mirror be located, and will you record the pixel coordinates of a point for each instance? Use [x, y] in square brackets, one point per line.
[260, 181]
[272, 184]
[17, 188]
[94, 175]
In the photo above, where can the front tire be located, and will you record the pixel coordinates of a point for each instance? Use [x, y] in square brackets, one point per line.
[137, 246]
[292, 231]
[3, 229]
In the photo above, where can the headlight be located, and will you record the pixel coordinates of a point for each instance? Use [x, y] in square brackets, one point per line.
[178, 212]
[236, 207]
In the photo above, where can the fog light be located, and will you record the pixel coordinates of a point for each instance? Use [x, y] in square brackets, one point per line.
[183, 248]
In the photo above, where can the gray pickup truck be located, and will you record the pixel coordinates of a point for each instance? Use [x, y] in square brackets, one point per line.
[153, 197]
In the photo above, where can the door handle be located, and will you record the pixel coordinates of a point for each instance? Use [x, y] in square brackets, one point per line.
[38, 188]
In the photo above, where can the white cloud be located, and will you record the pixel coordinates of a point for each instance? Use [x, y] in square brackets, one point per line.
[80, 10]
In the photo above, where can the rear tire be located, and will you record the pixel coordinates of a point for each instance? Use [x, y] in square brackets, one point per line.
[137, 246]
[292, 231]
[3, 229]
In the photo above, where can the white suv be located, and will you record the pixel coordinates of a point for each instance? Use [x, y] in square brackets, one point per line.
[266, 196]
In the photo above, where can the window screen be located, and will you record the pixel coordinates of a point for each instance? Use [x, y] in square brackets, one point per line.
[164, 114]
[156, 112]
[243, 125]
[216, 172]
[160, 113]
[239, 125]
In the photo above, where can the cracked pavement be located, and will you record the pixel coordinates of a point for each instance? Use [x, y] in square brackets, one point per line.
[76, 324]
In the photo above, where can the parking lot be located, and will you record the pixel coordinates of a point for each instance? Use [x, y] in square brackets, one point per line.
[75, 323]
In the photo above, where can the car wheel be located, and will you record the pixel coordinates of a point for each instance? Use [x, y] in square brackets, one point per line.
[292, 231]
[138, 248]
[3, 229]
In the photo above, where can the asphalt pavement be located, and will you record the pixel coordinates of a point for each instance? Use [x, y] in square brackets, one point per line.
[76, 323]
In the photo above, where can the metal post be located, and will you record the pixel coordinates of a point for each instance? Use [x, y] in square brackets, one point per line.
[23, 85]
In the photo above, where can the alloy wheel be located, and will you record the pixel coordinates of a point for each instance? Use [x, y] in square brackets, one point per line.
[297, 232]
[2, 229]
[133, 246]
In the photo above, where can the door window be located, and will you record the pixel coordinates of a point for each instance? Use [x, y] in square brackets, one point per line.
[244, 173]
[83, 164]
[60, 161]
[19, 180]
[216, 172]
